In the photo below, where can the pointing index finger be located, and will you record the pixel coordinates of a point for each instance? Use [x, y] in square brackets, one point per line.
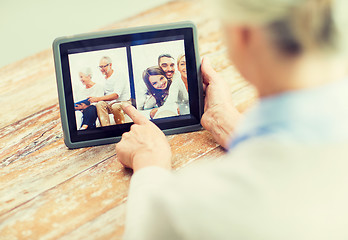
[134, 114]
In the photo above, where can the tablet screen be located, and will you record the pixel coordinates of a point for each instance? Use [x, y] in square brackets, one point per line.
[155, 71]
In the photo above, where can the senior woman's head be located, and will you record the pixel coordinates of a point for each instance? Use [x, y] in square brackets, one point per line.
[293, 36]
[85, 75]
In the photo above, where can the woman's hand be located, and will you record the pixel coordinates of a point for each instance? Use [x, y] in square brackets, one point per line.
[144, 145]
[220, 115]
[94, 99]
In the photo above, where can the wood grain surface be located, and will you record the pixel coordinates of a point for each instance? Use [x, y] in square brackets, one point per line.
[48, 191]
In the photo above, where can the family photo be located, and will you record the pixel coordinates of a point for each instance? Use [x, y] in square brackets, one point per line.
[100, 84]
[160, 79]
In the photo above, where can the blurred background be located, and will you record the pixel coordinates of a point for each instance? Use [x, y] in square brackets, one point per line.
[30, 26]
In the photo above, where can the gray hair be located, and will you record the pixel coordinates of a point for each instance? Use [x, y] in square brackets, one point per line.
[294, 25]
[107, 58]
[87, 71]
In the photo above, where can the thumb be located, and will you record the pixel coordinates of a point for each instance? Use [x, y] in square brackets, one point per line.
[208, 73]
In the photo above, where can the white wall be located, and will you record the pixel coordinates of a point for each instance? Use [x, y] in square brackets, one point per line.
[30, 26]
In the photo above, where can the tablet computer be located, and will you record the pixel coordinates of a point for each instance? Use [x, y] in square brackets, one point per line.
[154, 68]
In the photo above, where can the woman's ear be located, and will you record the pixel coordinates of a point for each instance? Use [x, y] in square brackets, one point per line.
[250, 51]
[237, 36]
[239, 39]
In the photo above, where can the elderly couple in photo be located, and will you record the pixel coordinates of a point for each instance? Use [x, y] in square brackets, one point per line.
[167, 93]
[102, 99]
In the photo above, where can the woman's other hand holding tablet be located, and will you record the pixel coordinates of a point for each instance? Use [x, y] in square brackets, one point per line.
[144, 145]
[219, 118]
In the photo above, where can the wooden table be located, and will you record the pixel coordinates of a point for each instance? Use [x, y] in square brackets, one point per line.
[48, 191]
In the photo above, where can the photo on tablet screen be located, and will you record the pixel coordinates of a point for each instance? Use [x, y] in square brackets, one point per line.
[100, 84]
[160, 79]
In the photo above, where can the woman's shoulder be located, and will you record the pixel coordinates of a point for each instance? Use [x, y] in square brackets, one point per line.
[150, 101]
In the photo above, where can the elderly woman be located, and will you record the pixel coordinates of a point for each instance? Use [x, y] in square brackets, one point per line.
[88, 110]
[285, 174]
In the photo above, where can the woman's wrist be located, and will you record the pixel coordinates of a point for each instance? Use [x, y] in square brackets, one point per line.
[148, 159]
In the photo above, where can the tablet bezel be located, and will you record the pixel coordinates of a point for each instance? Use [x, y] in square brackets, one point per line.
[126, 37]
